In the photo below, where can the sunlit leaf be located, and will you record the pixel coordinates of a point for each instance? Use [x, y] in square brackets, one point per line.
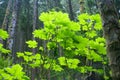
[57, 68]
[62, 60]
[3, 34]
[73, 63]
[46, 66]
[32, 44]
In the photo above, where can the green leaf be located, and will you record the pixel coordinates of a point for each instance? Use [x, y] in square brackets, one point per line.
[26, 58]
[100, 71]
[28, 53]
[68, 48]
[51, 45]
[82, 70]
[41, 34]
[85, 69]
[57, 68]
[41, 48]
[83, 16]
[91, 34]
[3, 50]
[57, 18]
[106, 77]
[15, 72]
[3, 34]
[95, 56]
[96, 18]
[99, 40]
[83, 42]
[74, 26]
[85, 28]
[46, 17]
[37, 56]
[73, 63]
[32, 44]
[47, 66]
[62, 60]
[98, 26]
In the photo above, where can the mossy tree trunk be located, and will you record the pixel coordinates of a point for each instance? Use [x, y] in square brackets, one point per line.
[6, 20]
[82, 6]
[111, 29]
[12, 29]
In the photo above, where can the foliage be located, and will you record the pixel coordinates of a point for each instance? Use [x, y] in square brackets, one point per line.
[33, 60]
[79, 39]
[13, 73]
[62, 42]
[71, 63]
[3, 34]
[32, 44]
[67, 44]
[9, 73]
[3, 50]
[4, 61]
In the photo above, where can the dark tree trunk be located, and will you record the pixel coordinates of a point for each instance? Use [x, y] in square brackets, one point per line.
[12, 29]
[70, 10]
[111, 31]
[35, 21]
[5, 21]
[35, 15]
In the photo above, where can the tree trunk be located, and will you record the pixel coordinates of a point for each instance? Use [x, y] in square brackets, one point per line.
[82, 6]
[111, 29]
[5, 21]
[12, 29]
[35, 20]
[70, 10]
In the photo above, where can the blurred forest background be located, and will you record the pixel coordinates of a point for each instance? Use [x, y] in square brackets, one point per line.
[21, 17]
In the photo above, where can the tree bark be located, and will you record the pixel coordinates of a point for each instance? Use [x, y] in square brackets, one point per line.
[5, 21]
[12, 29]
[35, 20]
[111, 30]
[70, 10]
[82, 6]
